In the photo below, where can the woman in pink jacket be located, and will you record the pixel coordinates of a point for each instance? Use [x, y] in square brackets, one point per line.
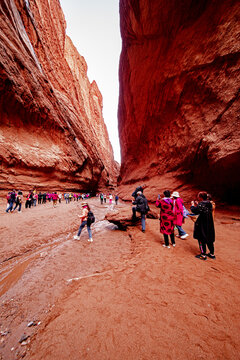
[178, 214]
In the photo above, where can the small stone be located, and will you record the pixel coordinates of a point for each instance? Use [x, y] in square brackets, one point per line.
[32, 323]
[23, 338]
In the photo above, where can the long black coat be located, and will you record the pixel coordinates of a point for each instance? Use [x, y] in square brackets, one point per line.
[142, 204]
[204, 226]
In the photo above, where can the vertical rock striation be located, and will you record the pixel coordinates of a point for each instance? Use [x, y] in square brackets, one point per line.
[52, 132]
[179, 102]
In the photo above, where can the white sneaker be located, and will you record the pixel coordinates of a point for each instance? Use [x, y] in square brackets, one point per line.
[166, 246]
[184, 236]
[173, 245]
[90, 240]
[76, 237]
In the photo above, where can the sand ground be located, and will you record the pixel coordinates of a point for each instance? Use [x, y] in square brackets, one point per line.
[123, 296]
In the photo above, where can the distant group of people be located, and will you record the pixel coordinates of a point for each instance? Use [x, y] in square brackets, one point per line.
[172, 215]
[15, 199]
[103, 198]
[75, 197]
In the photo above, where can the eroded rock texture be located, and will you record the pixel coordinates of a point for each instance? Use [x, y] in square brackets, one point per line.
[52, 133]
[179, 118]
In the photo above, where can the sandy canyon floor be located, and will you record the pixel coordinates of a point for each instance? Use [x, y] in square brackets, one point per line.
[123, 296]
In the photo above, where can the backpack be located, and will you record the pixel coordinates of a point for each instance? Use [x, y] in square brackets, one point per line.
[90, 218]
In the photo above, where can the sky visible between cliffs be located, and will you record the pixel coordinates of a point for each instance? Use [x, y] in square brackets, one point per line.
[93, 26]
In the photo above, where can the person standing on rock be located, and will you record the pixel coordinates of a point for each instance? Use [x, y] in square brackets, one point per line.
[204, 230]
[166, 218]
[178, 214]
[105, 198]
[141, 207]
[139, 188]
[116, 199]
[101, 198]
[84, 221]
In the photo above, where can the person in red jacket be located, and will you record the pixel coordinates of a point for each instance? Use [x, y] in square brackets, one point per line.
[166, 218]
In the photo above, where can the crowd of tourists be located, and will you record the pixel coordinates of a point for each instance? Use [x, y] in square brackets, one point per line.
[172, 216]
[172, 213]
[104, 197]
[16, 199]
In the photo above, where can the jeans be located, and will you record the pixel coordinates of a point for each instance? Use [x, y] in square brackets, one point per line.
[143, 222]
[19, 205]
[10, 207]
[180, 230]
[88, 229]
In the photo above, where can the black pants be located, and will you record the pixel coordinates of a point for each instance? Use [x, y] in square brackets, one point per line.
[203, 247]
[166, 239]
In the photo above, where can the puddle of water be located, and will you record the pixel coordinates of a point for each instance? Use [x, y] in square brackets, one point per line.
[13, 277]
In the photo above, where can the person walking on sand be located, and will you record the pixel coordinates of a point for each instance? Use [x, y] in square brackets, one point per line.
[141, 207]
[204, 230]
[55, 199]
[84, 221]
[166, 218]
[19, 200]
[12, 199]
[178, 214]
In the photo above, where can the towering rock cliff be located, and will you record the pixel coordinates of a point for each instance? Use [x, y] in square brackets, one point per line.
[52, 132]
[179, 105]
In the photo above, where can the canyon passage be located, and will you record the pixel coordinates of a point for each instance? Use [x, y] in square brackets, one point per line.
[123, 296]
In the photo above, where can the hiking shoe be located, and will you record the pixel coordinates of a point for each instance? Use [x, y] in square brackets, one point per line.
[76, 237]
[211, 256]
[90, 240]
[166, 246]
[143, 231]
[184, 236]
[201, 257]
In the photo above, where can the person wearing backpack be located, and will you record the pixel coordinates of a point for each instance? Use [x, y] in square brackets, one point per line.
[139, 188]
[87, 218]
[142, 207]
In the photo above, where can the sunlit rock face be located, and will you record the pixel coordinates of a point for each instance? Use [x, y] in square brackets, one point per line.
[52, 132]
[179, 108]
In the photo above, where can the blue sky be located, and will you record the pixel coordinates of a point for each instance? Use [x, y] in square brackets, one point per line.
[93, 26]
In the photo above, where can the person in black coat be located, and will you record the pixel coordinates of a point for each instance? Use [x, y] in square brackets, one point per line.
[139, 188]
[141, 207]
[204, 230]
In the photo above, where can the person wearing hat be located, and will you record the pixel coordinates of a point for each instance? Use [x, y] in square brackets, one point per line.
[83, 217]
[178, 214]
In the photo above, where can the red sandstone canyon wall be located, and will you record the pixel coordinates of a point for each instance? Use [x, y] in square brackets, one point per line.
[52, 132]
[179, 108]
